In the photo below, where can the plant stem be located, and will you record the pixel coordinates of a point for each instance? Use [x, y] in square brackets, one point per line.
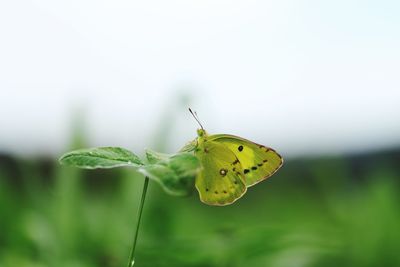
[139, 216]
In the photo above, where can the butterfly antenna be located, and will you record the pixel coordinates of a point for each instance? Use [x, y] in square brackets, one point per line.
[194, 114]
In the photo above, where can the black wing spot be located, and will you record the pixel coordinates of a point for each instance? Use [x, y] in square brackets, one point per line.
[265, 160]
[223, 172]
[225, 192]
[246, 171]
[216, 192]
[235, 162]
[254, 168]
[259, 164]
[207, 189]
[240, 148]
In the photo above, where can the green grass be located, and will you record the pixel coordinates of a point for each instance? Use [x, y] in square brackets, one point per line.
[342, 211]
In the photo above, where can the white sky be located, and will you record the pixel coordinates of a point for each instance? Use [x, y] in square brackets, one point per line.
[304, 77]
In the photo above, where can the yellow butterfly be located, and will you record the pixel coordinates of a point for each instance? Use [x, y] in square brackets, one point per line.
[230, 165]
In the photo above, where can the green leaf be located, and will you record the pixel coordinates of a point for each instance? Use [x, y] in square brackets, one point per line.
[189, 147]
[176, 173]
[100, 157]
[154, 157]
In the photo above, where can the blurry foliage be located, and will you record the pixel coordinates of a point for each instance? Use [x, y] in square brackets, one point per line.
[315, 212]
[342, 211]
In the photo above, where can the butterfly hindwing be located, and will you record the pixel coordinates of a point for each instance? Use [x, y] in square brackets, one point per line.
[258, 162]
[221, 181]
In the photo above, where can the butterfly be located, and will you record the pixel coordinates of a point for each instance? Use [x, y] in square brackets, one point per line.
[230, 164]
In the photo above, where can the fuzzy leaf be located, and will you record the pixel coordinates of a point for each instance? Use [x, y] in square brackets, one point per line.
[154, 157]
[176, 173]
[100, 157]
[189, 147]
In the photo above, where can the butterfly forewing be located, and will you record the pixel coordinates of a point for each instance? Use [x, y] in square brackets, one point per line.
[221, 181]
[258, 162]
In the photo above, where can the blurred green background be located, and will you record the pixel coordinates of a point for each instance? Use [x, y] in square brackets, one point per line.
[316, 211]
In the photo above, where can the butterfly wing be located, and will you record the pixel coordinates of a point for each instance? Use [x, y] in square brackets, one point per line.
[221, 181]
[258, 162]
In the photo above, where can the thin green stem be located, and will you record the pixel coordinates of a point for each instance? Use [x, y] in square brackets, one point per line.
[139, 216]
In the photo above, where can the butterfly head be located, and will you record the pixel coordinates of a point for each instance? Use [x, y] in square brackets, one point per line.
[201, 137]
[201, 133]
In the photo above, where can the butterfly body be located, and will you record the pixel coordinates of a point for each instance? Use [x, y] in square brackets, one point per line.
[230, 165]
